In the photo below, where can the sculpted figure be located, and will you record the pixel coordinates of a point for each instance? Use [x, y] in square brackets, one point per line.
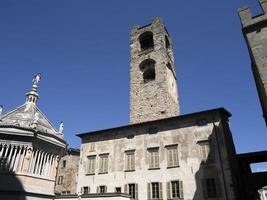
[36, 79]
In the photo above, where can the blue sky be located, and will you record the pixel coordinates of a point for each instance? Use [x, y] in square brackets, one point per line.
[81, 48]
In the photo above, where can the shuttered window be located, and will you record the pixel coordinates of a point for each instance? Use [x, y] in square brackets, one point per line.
[172, 156]
[102, 189]
[154, 190]
[153, 158]
[132, 190]
[91, 165]
[205, 151]
[130, 160]
[103, 163]
[175, 189]
[211, 187]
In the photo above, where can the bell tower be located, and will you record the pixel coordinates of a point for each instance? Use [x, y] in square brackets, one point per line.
[153, 92]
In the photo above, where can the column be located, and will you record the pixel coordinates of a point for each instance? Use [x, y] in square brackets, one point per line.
[15, 168]
[13, 158]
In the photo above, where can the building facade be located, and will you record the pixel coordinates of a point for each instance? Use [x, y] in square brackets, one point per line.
[160, 155]
[255, 30]
[67, 173]
[30, 148]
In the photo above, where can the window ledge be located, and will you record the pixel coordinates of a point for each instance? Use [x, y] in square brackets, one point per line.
[154, 168]
[169, 167]
[89, 174]
[102, 172]
[146, 51]
[129, 170]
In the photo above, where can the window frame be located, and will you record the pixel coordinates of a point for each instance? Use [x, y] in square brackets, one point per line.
[153, 158]
[129, 160]
[103, 163]
[93, 165]
[171, 150]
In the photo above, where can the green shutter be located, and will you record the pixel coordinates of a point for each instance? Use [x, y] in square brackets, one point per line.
[126, 189]
[136, 191]
[168, 185]
[204, 188]
[181, 189]
[82, 190]
[148, 191]
[106, 189]
[98, 189]
[160, 190]
[218, 187]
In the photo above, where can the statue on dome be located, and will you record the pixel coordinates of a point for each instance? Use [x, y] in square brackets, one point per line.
[61, 127]
[36, 79]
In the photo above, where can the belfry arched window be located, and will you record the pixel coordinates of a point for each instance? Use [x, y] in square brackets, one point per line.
[148, 69]
[146, 40]
[167, 42]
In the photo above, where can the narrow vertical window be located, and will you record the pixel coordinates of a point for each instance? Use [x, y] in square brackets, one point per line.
[64, 163]
[154, 190]
[210, 187]
[102, 189]
[130, 160]
[85, 190]
[205, 151]
[103, 163]
[91, 165]
[172, 156]
[175, 189]
[153, 158]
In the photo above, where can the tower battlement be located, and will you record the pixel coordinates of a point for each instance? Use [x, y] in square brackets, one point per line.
[246, 17]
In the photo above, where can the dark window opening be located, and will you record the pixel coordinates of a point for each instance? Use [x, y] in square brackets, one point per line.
[85, 190]
[118, 189]
[64, 163]
[148, 69]
[132, 190]
[146, 41]
[167, 42]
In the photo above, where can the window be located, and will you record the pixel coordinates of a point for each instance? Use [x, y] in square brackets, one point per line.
[102, 189]
[64, 163]
[132, 190]
[60, 180]
[175, 189]
[91, 165]
[154, 190]
[130, 160]
[118, 189]
[167, 42]
[153, 158]
[85, 190]
[210, 187]
[68, 192]
[92, 146]
[146, 40]
[103, 164]
[205, 151]
[148, 69]
[172, 156]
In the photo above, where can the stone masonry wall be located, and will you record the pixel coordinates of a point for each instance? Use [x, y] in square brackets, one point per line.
[152, 100]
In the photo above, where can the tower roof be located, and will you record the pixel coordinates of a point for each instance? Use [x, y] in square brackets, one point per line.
[29, 116]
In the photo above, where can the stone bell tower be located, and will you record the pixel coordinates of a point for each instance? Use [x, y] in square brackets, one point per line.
[153, 93]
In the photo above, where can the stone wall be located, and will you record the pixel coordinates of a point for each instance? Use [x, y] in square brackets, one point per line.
[155, 99]
[255, 33]
[186, 133]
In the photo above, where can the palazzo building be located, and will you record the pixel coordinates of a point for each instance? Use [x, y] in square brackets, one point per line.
[30, 148]
[161, 154]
